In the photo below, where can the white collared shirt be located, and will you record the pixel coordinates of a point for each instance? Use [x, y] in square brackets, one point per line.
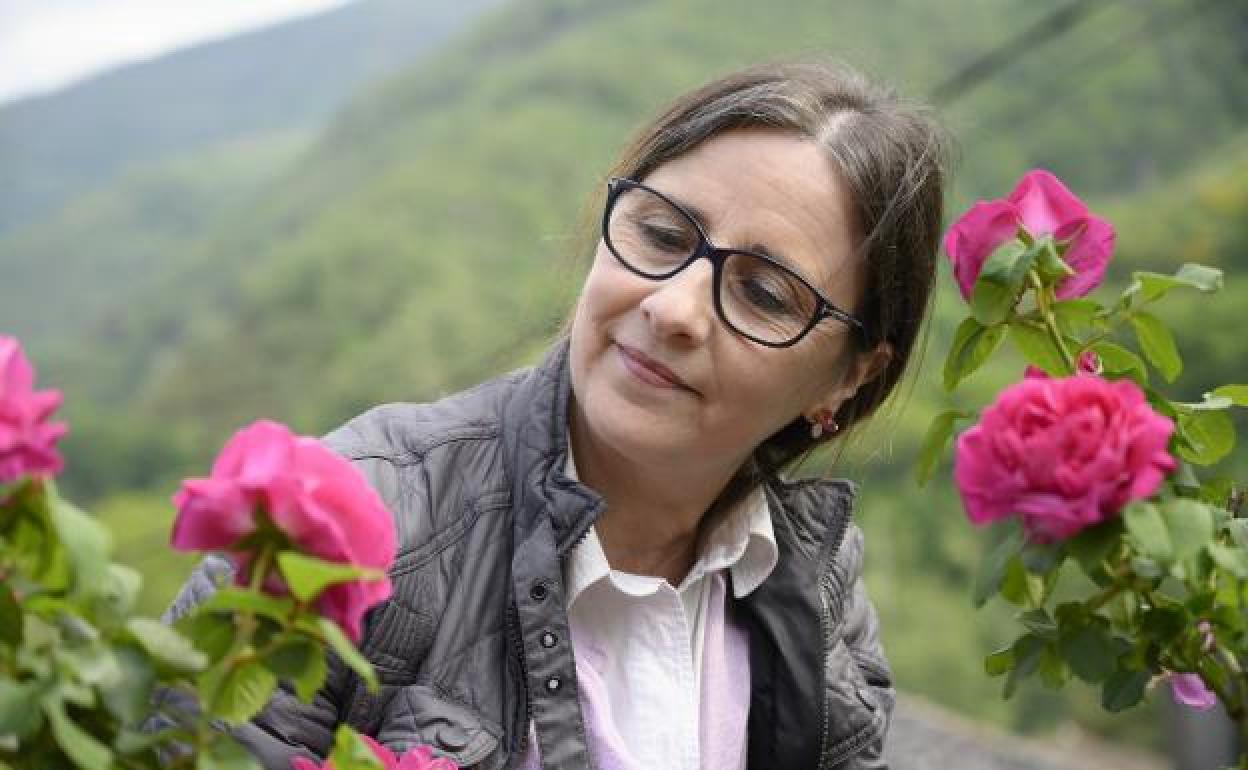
[645, 637]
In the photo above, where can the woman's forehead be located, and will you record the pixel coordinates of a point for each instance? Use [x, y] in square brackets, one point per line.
[766, 190]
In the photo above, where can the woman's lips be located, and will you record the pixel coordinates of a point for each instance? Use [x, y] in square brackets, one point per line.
[648, 370]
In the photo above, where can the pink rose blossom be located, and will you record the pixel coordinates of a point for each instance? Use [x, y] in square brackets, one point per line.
[1041, 205]
[419, 758]
[314, 497]
[1063, 454]
[1189, 690]
[1087, 363]
[27, 438]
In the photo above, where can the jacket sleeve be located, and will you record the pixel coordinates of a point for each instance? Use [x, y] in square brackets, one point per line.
[286, 727]
[862, 637]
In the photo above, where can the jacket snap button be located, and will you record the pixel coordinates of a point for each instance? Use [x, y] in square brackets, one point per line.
[553, 684]
[548, 640]
[538, 591]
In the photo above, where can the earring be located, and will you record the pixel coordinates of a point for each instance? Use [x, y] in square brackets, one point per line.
[823, 423]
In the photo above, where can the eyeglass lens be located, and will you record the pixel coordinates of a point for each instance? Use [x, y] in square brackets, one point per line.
[756, 297]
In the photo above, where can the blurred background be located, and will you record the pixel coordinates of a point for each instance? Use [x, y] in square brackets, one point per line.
[214, 211]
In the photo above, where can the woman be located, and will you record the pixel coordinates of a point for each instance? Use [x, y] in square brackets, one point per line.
[600, 562]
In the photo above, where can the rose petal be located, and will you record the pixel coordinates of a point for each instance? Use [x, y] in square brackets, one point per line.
[973, 238]
[1189, 690]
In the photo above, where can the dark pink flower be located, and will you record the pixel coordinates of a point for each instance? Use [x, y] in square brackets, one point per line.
[1063, 454]
[1041, 205]
[27, 438]
[1087, 363]
[419, 758]
[1189, 690]
[317, 499]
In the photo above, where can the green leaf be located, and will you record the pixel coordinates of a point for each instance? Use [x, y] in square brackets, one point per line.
[1049, 264]
[1053, 670]
[242, 692]
[300, 661]
[80, 746]
[1149, 531]
[307, 576]
[166, 645]
[351, 752]
[212, 633]
[1238, 394]
[345, 649]
[992, 568]
[1158, 344]
[1153, 286]
[1206, 436]
[225, 754]
[1038, 347]
[1000, 280]
[243, 600]
[86, 541]
[1039, 623]
[1077, 317]
[1090, 652]
[10, 617]
[999, 662]
[972, 345]
[1190, 526]
[1021, 587]
[1091, 547]
[17, 716]
[132, 700]
[935, 441]
[120, 590]
[1027, 651]
[1124, 689]
[1116, 359]
[1233, 560]
[1238, 529]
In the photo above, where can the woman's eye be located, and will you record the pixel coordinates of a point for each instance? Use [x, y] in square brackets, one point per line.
[667, 238]
[764, 297]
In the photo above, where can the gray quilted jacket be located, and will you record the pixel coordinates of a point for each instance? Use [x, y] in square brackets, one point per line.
[473, 644]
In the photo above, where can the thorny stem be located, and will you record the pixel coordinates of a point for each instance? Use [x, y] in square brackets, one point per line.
[1043, 302]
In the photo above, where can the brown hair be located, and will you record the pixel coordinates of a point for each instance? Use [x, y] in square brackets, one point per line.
[890, 154]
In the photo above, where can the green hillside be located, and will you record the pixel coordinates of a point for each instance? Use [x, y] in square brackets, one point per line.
[434, 234]
[275, 79]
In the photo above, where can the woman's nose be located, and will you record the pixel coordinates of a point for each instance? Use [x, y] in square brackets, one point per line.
[682, 306]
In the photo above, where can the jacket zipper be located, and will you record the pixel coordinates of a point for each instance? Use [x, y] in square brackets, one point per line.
[830, 756]
[517, 643]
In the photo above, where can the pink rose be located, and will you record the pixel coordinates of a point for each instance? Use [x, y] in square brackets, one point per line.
[318, 500]
[419, 758]
[1041, 205]
[27, 439]
[1087, 363]
[1064, 454]
[1189, 690]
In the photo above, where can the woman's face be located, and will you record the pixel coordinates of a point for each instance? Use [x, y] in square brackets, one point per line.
[718, 395]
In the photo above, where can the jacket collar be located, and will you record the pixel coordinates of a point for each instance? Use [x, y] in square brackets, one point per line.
[535, 436]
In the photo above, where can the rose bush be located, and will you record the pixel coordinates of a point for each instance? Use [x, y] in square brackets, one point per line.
[267, 481]
[27, 437]
[1039, 205]
[1064, 454]
[1086, 465]
[87, 683]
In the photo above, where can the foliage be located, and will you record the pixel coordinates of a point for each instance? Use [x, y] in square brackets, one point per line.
[1165, 581]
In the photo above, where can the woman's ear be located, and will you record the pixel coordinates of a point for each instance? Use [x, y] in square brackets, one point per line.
[865, 367]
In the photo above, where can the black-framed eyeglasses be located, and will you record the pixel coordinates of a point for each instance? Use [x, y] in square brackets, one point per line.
[754, 294]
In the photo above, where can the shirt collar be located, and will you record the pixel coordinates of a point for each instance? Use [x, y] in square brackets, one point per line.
[742, 541]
